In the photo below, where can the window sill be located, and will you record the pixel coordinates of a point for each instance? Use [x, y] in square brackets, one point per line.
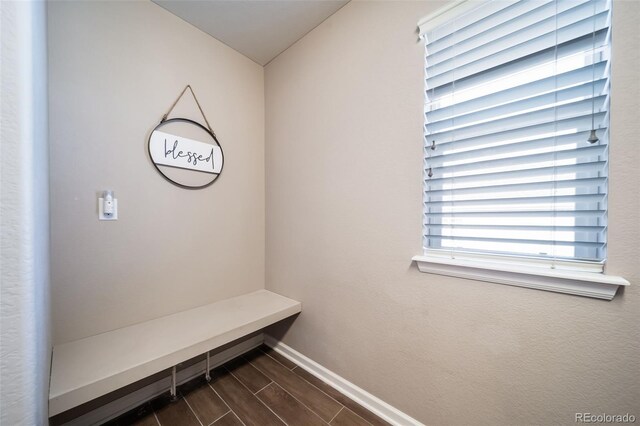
[588, 284]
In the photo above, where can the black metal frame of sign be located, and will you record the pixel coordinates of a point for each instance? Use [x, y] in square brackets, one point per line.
[195, 123]
[164, 121]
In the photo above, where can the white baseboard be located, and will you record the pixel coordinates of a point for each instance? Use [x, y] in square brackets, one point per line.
[357, 394]
[128, 402]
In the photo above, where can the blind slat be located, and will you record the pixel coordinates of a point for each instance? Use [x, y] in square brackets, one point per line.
[534, 53]
[570, 97]
[525, 214]
[461, 149]
[524, 42]
[522, 241]
[541, 228]
[523, 161]
[528, 15]
[565, 221]
[527, 175]
[552, 114]
[596, 182]
[452, 157]
[443, 107]
[476, 20]
[524, 202]
[574, 124]
[532, 233]
[518, 73]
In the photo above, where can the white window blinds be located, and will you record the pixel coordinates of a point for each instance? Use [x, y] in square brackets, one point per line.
[512, 167]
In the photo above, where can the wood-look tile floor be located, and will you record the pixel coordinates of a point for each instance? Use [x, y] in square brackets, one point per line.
[260, 388]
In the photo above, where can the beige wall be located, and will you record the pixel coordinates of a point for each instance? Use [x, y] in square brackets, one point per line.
[115, 68]
[344, 160]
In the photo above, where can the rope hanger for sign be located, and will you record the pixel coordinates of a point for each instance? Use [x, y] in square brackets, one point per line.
[188, 86]
[183, 161]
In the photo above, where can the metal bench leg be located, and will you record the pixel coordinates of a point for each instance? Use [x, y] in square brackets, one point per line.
[174, 396]
[207, 376]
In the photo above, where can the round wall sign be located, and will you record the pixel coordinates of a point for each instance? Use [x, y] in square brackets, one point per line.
[186, 153]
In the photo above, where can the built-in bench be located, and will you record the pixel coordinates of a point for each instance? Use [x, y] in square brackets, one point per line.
[88, 368]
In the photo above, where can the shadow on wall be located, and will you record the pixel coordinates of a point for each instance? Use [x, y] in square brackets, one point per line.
[280, 329]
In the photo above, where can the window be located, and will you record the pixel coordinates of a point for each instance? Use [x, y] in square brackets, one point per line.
[516, 137]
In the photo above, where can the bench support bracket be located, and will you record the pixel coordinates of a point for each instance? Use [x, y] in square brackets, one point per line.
[174, 396]
[207, 376]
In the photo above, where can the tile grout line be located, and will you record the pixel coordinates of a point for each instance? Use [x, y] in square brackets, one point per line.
[274, 382]
[262, 388]
[343, 406]
[249, 363]
[238, 417]
[274, 413]
[240, 381]
[192, 410]
[290, 369]
[324, 393]
[261, 401]
[302, 403]
[306, 381]
[307, 407]
[269, 408]
[227, 412]
[334, 417]
[225, 403]
[156, 417]
[358, 415]
[221, 398]
[329, 396]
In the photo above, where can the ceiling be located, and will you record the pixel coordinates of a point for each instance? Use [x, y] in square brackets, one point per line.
[259, 29]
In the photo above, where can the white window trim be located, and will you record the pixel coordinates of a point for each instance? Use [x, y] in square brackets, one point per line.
[570, 277]
[522, 273]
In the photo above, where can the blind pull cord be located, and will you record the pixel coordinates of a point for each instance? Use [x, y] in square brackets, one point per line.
[593, 138]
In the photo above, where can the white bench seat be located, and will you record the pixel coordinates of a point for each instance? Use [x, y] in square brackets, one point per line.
[85, 369]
